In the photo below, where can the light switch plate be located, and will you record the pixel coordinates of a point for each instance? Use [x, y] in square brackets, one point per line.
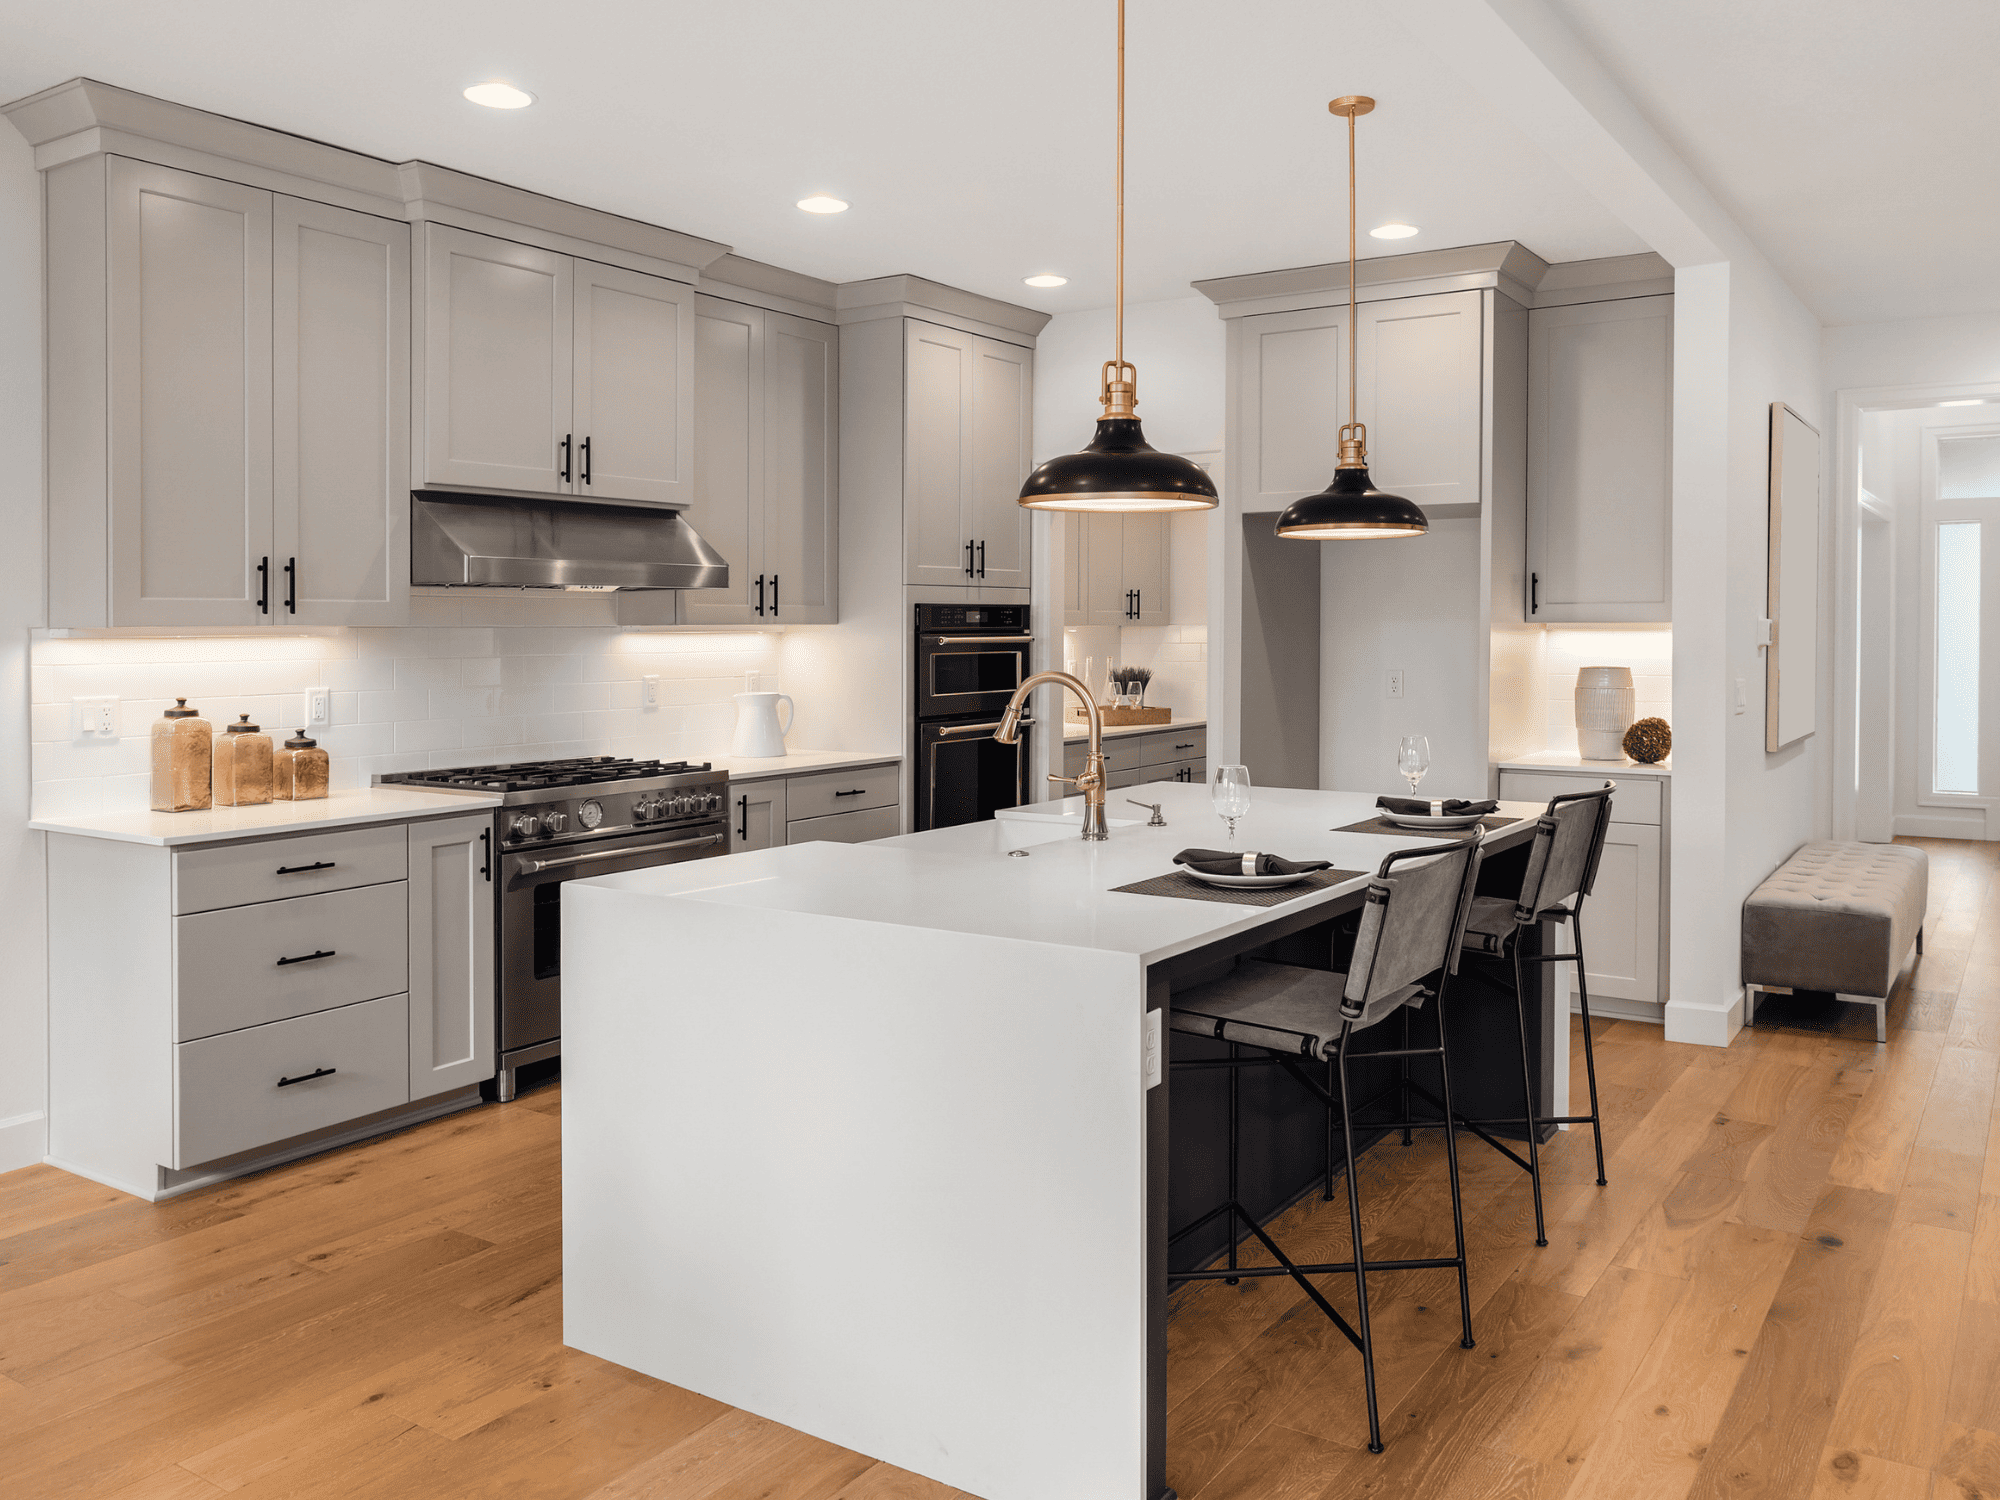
[1152, 1048]
[1742, 696]
[94, 718]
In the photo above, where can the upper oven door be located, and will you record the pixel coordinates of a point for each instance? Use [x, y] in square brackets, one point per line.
[959, 674]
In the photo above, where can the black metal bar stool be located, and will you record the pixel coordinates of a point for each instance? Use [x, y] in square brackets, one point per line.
[1562, 867]
[1412, 927]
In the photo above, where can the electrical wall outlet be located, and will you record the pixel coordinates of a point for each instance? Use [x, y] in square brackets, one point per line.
[95, 718]
[649, 690]
[319, 702]
[1393, 682]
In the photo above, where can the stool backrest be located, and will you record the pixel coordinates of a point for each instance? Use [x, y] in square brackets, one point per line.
[1411, 925]
[1568, 842]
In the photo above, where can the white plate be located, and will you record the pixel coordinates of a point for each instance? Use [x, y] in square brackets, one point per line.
[1415, 820]
[1246, 882]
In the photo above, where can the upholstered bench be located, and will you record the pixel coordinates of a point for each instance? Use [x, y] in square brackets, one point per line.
[1839, 917]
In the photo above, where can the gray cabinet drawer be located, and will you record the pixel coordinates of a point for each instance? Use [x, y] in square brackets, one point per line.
[302, 865]
[1637, 799]
[1173, 747]
[228, 969]
[227, 1094]
[842, 791]
[846, 827]
[1121, 754]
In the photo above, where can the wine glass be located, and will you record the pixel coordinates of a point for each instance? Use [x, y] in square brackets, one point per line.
[1230, 791]
[1413, 758]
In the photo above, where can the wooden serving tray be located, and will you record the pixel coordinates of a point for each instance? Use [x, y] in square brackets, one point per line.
[1119, 716]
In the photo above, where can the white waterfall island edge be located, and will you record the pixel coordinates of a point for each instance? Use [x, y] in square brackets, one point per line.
[854, 1135]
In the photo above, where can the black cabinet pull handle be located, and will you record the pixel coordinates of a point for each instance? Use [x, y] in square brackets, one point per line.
[285, 1083]
[860, 791]
[486, 854]
[968, 559]
[1138, 603]
[264, 586]
[565, 454]
[1534, 593]
[982, 559]
[760, 593]
[583, 460]
[743, 813]
[306, 958]
[324, 864]
[291, 585]
[774, 593]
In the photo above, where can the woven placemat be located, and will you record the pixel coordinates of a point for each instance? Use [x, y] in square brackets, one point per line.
[1186, 886]
[1397, 831]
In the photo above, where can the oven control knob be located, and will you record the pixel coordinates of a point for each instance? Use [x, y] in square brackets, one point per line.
[643, 809]
[680, 807]
[526, 826]
[711, 802]
[555, 822]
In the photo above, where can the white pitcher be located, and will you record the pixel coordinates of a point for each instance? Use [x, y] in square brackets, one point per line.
[758, 733]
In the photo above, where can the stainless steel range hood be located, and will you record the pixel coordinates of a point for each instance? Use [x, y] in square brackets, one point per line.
[465, 541]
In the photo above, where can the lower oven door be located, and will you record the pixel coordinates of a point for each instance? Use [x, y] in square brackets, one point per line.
[531, 916]
[964, 775]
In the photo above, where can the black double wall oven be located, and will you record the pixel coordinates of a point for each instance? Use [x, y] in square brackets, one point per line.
[969, 660]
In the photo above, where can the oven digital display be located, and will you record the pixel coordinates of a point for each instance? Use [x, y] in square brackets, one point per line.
[975, 617]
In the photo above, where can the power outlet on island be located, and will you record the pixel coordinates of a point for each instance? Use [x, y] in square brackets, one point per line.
[1393, 682]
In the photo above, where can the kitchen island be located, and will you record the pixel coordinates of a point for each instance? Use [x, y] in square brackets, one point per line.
[872, 1139]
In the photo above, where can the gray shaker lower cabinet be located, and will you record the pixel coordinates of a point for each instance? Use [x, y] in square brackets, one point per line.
[275, 1020]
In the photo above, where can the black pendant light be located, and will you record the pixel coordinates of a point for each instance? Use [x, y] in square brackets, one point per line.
[1351, 508]
[1120, 471]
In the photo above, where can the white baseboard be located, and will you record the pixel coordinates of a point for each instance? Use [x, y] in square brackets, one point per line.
[1614, 1008]
[1944, 825]
[1707, 1024]
[24, 1140]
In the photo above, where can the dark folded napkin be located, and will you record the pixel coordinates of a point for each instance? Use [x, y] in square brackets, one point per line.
[1420, 807]
[1222, 862]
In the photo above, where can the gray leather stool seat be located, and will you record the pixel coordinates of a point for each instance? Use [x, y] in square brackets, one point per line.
[1837, 916]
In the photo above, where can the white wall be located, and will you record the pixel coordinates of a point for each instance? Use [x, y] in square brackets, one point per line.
[1179, 349]
[23, 982]
[1915, 351]
[1647, 649]
[402, 700]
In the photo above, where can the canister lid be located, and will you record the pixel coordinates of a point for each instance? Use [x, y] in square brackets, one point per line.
[244, 726]
[183, 712]
[300, 742]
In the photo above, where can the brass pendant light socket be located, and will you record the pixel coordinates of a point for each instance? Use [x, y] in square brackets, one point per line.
[1119, 395]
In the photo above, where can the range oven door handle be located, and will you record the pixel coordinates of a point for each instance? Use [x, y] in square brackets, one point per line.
[981, 640]
[536, 866]
[949, 730]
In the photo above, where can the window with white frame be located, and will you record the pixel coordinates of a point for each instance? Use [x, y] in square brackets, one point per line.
[1962, 592]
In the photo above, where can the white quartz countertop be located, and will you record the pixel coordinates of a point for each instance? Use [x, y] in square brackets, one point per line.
[1552, 761]
[796, 762]
[965, 880]
[382, 804]
[1077, 731]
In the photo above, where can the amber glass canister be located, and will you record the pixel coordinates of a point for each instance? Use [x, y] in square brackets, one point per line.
[299, 770]
[181, 759]
[242, 765]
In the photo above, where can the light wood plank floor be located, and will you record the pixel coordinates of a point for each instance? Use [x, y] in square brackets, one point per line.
[1791, 1288]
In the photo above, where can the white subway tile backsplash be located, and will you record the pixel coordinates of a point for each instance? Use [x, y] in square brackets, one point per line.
[403, 699]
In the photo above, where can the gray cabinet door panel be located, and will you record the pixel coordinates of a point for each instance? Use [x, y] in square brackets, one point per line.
[1292, 380]
[1003, 414]
[340, 361]
[728, 507]
[189, 345]
[1420, 391]
[497, 375]
[802, 467]
[633, 392]
[1144, 552]
[937, 451]
[757, 814]
[451, 1036]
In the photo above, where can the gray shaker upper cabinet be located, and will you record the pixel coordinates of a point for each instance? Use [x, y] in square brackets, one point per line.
[967, 448]
[766, 464]
[1291, 392]
[1600, 461]
[227, 404]
[547, 374]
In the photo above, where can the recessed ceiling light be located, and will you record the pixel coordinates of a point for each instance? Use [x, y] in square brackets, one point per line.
[498, 95]
[1047, 278]
[1393, 232]
[1974, 401]
[823, 203]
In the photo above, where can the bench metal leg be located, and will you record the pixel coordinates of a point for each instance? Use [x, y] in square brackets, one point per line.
[1749, 1004]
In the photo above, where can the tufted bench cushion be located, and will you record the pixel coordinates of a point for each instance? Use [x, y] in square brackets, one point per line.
[1838, 917]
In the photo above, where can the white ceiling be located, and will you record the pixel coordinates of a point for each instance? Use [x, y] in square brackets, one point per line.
[974, 140]
[1856, 141]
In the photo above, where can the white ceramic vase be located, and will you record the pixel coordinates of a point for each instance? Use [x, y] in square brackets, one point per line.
[1604, 707]
[757, 730]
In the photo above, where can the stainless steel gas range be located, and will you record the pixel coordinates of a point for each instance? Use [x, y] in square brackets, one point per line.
[562, 820]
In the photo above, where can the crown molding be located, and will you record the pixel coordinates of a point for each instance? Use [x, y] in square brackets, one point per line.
[915, 297]
[740, 279]
[1504, 265]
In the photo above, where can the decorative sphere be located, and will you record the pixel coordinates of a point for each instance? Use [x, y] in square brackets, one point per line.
[1649, 740]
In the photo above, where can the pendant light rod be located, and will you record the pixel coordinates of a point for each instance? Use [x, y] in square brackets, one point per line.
[1353, 436]
[1118, 280]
